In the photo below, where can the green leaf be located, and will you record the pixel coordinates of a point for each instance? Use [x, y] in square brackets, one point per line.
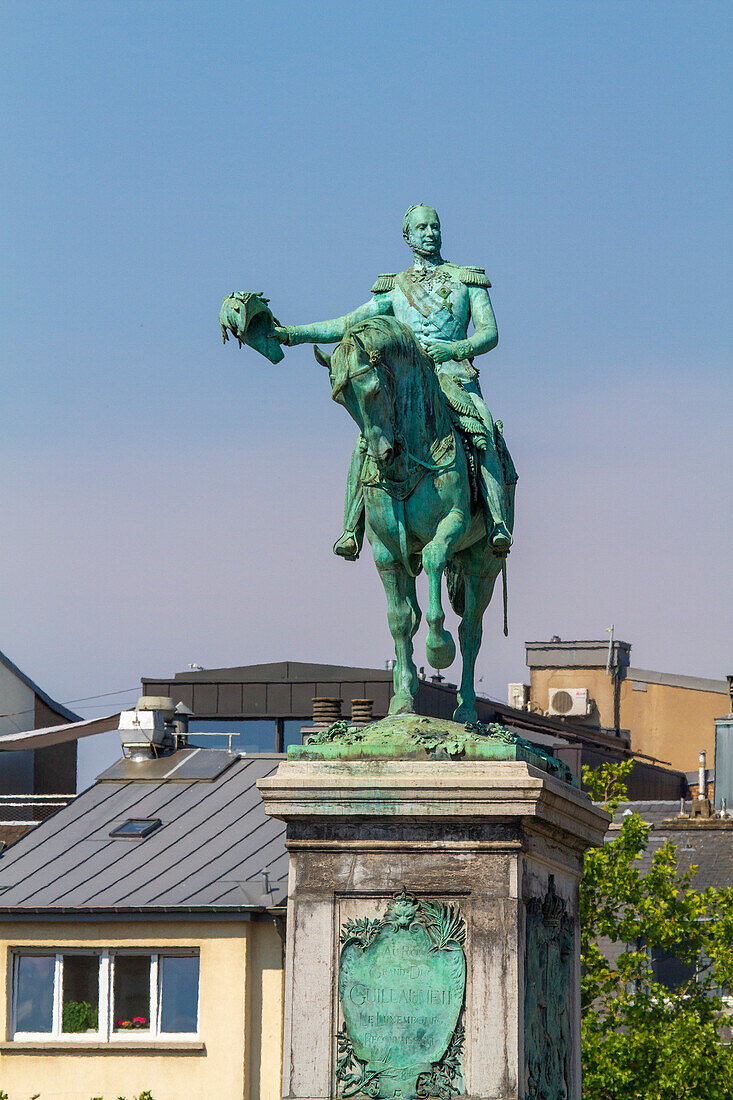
[641, 1040]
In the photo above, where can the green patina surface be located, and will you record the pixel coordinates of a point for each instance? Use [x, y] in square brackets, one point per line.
[402, 980]
[431, 481]
[406, 737]
[548, 1044]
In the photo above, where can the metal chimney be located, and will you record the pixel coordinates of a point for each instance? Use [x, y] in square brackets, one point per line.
[702, 775]
[724, 755]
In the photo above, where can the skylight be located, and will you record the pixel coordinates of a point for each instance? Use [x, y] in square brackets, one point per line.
[136, 827]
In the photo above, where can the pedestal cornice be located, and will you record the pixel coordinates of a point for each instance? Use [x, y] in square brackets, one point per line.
[431, 792]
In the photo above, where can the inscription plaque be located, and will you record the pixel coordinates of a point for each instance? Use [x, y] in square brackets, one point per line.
[402, 981]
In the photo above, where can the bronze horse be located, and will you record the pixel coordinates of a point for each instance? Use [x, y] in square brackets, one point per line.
[422, 511]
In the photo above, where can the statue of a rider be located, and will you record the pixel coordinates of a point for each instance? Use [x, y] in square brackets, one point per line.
[437, 300]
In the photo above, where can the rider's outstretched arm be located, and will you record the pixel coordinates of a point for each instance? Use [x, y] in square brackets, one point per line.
[486, 335]
[329, 332]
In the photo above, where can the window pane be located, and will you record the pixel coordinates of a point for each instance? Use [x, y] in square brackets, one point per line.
[179, 992]
[131, 1011]
[34, 1005]
[80, 980]
[669, 970]
[250, 734]
[293, 726]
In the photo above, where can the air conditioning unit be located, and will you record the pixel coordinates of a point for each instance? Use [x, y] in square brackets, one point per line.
[569, 702]
[518, 696]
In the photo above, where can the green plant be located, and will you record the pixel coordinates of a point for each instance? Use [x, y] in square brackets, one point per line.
[640, 1038]
[79, 1016]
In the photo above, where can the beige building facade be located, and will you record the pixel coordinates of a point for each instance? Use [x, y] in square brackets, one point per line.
[141, 934]
[234, 1054]
[670, 718]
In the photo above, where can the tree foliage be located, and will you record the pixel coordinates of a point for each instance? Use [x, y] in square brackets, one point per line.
[641, 1040]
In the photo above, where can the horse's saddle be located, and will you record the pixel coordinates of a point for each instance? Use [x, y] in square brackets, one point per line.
[464, 416]
[472, 429]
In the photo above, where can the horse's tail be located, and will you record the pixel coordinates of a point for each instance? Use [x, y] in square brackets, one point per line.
[456, 584]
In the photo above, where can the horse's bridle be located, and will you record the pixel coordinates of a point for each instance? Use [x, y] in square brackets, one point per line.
[376, 359]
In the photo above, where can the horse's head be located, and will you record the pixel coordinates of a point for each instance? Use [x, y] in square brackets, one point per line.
[364, 384]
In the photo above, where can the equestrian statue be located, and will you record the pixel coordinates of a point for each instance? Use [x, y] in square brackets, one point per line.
[431, 480]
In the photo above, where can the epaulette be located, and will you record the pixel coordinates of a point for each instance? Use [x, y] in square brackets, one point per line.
[383, 283]
[473, 276]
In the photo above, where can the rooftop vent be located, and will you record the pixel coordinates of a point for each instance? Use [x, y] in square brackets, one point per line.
[162, 703]
[143, 730]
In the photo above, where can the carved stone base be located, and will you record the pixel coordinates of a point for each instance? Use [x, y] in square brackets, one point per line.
[477, 859]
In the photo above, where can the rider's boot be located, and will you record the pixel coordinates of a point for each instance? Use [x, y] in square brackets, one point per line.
[351, 541]
[491, 479]
[492, 489]
[500, 540]
[348, 546]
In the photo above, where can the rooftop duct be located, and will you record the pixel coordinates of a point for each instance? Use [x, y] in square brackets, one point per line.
[143, 730]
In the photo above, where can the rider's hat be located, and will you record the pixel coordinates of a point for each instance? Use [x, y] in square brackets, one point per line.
[248, 317]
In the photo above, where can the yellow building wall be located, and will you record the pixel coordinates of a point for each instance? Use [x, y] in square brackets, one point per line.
[668, 723]
[599, 684]
[240, 1018]
[672, 723]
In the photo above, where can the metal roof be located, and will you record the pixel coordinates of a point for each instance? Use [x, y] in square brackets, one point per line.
[670, 679]
[208, 856]
[703, 843]
[653, 811]
[279, 670]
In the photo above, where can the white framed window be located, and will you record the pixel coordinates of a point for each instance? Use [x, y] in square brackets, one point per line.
[104, 995]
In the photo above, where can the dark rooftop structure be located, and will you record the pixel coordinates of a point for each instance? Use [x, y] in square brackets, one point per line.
[205, 845]
[28, 775]
[265, 706]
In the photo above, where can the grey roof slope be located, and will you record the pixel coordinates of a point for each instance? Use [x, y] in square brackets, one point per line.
[653, 812]
[709, 847]
[673, 679]
[208, 855]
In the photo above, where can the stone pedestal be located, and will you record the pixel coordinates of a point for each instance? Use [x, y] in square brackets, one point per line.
[496, 843]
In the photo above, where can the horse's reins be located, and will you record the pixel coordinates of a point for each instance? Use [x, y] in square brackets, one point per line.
[376, 359]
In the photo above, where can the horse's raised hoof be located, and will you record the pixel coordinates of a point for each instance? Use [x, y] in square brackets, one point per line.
[443, 654]
[465, 714]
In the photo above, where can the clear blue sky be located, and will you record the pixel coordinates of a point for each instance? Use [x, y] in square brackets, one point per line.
[166, 499]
